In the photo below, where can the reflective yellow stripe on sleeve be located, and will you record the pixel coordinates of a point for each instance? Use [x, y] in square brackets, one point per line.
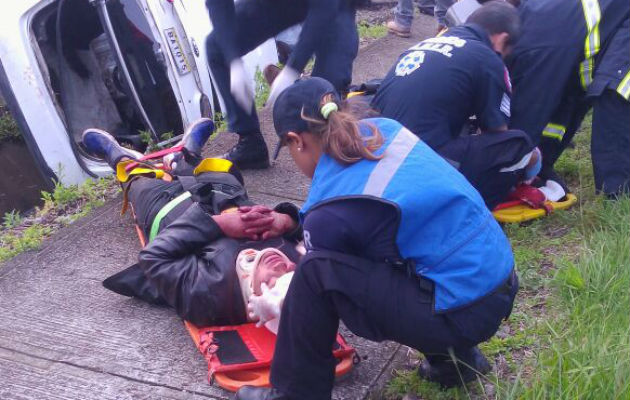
[554, 131]
[592, 15]
[624, 87]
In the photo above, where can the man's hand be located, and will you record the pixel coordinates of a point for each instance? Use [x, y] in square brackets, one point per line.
[233, 226]
[284, 79]
[265, 222]
[265, 307]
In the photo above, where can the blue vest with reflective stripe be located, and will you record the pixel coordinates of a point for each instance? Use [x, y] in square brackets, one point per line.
[445, 227]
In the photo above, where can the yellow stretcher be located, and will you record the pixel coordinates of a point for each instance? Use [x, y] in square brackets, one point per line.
[517, 211]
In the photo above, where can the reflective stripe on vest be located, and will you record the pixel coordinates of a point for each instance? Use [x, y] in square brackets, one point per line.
[624, 87]
[592, 15]
[394, 156]
[554, 131]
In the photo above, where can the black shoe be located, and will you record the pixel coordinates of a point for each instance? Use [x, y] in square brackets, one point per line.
[428, 10]
[249, 153]
[103, 145]
[258, 393]
[448, 375]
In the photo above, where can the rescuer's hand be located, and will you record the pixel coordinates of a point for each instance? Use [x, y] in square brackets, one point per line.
[284, 79]
[240, 86]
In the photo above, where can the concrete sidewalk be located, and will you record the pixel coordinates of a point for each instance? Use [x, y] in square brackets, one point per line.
[63, 336]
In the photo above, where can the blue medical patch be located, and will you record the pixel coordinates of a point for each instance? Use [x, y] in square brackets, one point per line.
[409, 63]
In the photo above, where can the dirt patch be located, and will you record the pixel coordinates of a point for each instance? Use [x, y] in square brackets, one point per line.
[376, 13]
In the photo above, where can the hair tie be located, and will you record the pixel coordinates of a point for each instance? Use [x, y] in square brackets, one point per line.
[328, 108]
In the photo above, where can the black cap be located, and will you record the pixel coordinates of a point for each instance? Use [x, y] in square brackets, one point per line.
[305, 94]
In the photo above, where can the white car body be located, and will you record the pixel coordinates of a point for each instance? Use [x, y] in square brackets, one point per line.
[178, 30]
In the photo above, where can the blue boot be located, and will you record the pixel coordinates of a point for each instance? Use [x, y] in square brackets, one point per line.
[103, 145]
[197, 135]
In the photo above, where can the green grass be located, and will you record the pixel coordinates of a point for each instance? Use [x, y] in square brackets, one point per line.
[261, 90]
[569, 334]
[147, 138]
[9, 130]
[62, 206]
[586, 351]
[12, 219]
[369, 31]
[12, 244]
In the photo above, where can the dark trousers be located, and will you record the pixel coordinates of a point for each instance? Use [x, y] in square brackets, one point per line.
[480, 159]
[259, 20]
[377, 302]
[610, 139]
[610, 143]
[149, 195]
[570, 115]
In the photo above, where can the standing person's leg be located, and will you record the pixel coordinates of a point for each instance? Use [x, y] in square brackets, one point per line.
[403, 16]
[441, 6]
[334, 60]
[255, 22]
[610, 144]
[426, 6]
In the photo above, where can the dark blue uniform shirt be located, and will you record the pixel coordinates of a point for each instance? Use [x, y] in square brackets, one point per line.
[360, 227]
[439, 83]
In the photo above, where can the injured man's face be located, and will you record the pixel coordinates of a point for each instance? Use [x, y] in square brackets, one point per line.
[263, 266]
[273, 264]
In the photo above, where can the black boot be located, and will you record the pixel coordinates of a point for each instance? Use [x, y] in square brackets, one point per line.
[259, 393]
[250, 152]
[448, 375]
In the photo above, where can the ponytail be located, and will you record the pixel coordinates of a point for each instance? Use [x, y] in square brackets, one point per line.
[340, 131]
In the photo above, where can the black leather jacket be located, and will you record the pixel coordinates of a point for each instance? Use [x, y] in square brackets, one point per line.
[190, 266]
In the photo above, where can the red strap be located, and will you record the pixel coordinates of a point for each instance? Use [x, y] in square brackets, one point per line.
[155, 155]
[526, 194]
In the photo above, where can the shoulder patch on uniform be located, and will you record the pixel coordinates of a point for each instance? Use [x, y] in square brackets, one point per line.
[409, 63]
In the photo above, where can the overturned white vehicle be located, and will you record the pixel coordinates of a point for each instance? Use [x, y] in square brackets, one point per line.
[136, 68]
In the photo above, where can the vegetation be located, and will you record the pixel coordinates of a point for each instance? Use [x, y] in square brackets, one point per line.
[62, 206]
[8, 127]
[568, 336]
[261, 90]
[371, 31]
[147, 138]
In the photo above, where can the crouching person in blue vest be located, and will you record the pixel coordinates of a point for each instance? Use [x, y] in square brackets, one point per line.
[400, 247]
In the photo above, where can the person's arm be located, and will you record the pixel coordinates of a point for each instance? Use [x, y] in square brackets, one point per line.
[173, 265]
[539, 79]
[492, 97]
[320, 14]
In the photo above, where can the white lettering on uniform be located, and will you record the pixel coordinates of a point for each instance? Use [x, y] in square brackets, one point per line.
[443, 45]
[307, 241]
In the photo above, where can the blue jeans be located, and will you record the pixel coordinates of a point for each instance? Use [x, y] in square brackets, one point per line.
[403, 12]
